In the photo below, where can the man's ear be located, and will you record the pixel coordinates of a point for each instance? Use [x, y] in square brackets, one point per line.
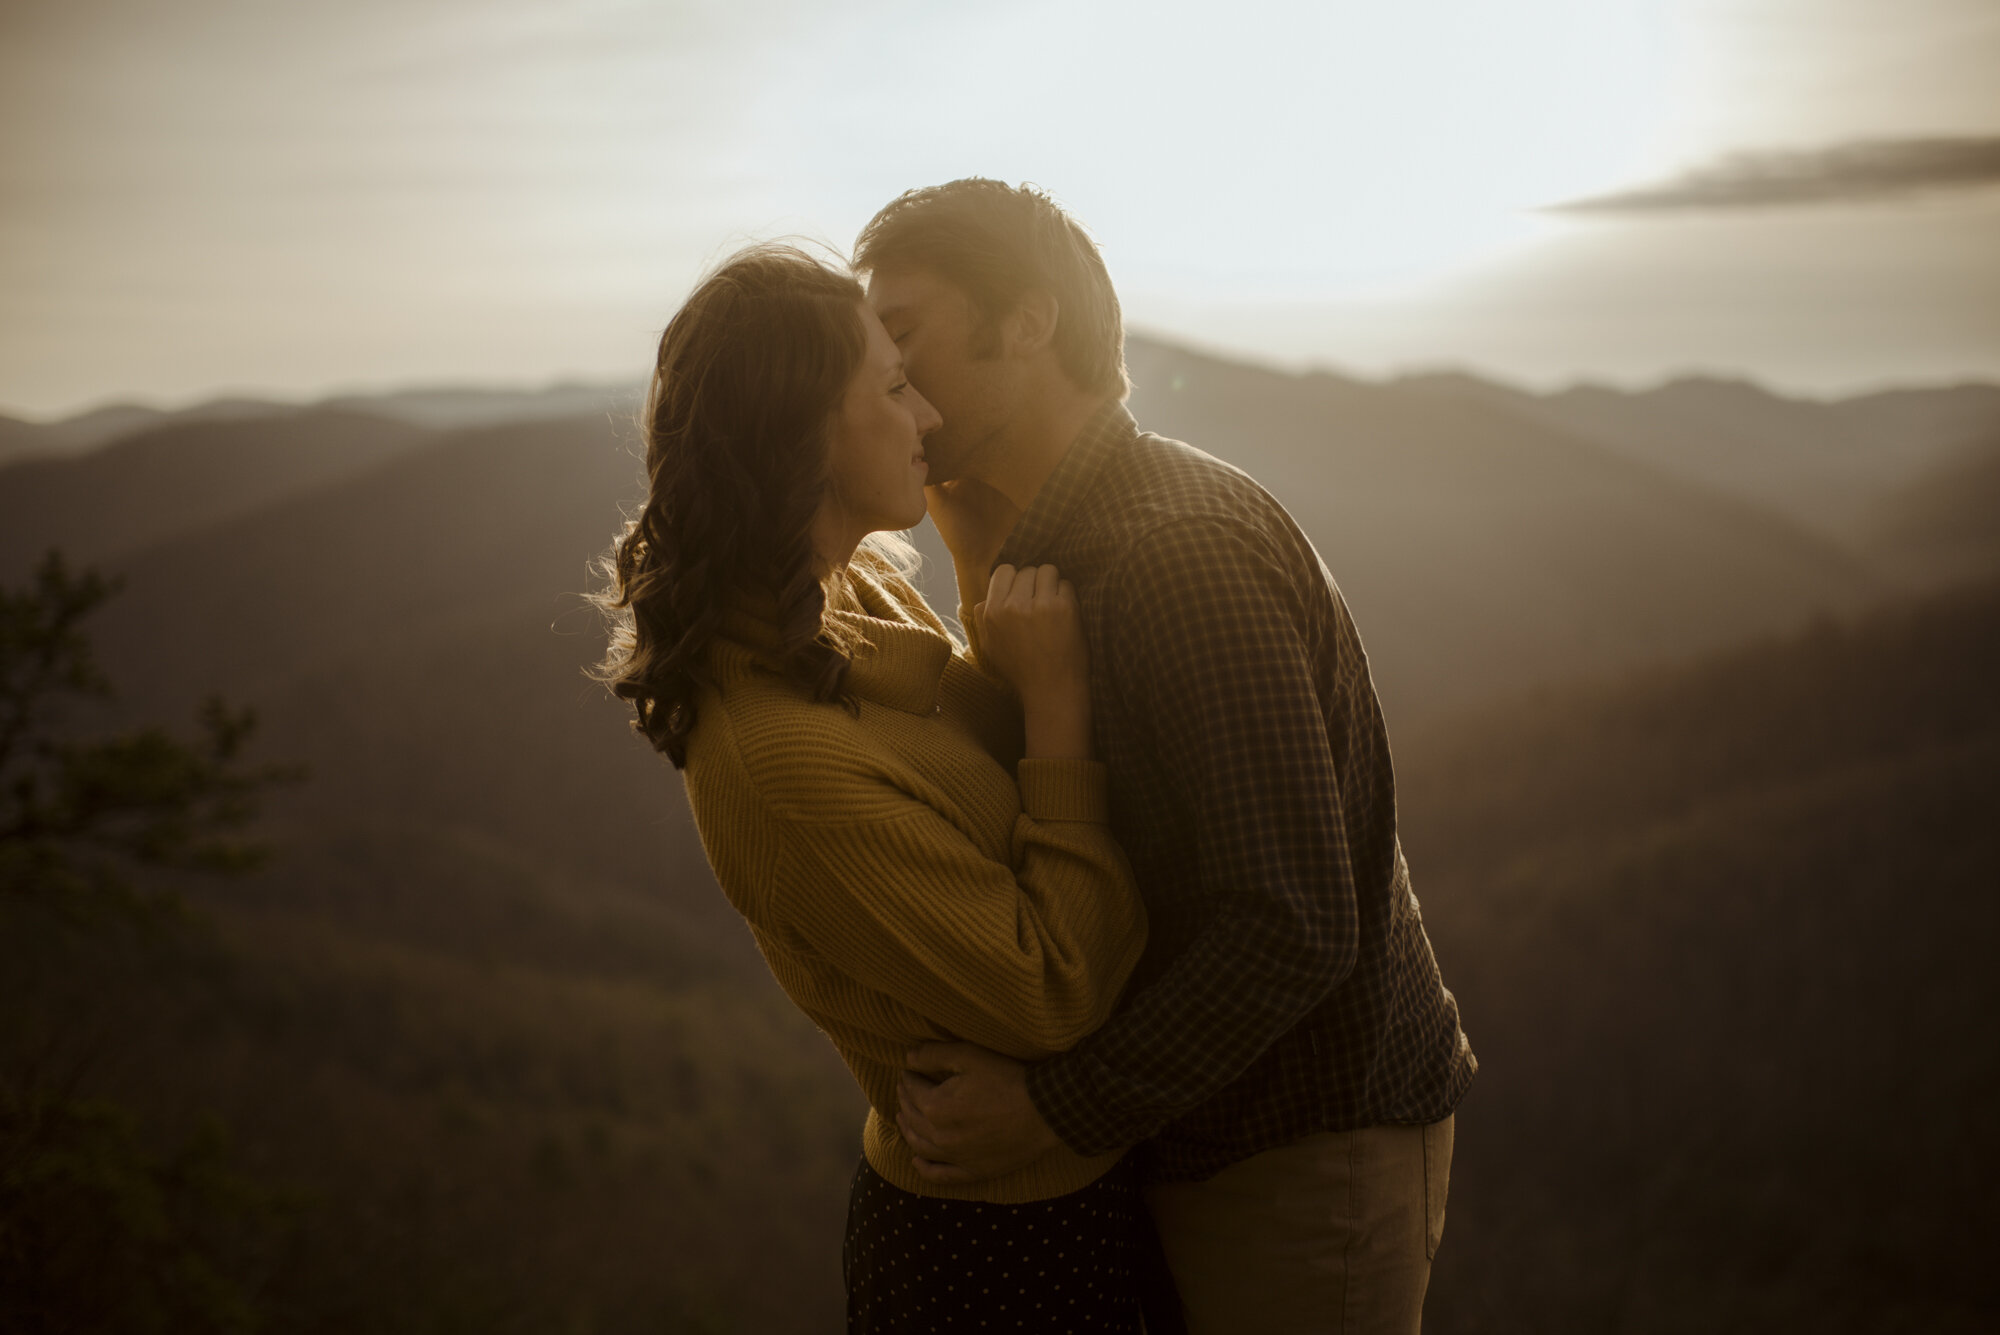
[1032, 326]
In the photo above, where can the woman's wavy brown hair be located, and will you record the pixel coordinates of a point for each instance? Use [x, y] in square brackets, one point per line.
[750, 374]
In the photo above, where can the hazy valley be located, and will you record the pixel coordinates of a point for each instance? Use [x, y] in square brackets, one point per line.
[1692, 692]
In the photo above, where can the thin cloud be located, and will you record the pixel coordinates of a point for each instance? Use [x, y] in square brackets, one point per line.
[1868, 170]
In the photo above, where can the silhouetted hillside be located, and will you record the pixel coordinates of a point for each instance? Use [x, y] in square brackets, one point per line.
[487, 1010]
[18, 437]
[1482, 551]
[1719, 934]
[416, 634]
[176, 478]
[86, 431]
[1823, 464]
[1718, 929]
[385, 623]
[1946, 524]
[74, 435]
[1722, 938]
[492, 1096]
[437, 407]
[449, 408]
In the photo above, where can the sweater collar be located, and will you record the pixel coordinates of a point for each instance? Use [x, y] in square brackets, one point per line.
[897, 662]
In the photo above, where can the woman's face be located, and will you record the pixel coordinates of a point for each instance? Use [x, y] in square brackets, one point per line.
[876, 454]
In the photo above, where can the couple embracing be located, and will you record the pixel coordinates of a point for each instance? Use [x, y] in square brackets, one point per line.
[1103, 903]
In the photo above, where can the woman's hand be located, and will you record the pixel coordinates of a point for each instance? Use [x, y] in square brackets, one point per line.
[974, 521]
[1031, 634]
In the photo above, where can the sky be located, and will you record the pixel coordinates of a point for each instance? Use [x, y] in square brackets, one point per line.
[291, 199]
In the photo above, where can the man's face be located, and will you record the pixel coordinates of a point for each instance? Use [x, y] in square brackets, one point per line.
[942, 338]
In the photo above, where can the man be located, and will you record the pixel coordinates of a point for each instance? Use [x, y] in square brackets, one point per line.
[1288, 1053]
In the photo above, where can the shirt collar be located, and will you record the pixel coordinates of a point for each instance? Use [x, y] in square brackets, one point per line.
[1062, 495]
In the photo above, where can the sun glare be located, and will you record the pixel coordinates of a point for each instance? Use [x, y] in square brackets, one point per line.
[1334, 148]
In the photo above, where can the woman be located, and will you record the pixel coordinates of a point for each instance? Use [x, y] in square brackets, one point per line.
[849, 769]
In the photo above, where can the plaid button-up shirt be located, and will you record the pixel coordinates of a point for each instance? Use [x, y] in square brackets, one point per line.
[1289, 987]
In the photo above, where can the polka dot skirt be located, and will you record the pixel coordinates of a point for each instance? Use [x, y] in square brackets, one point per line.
[919, 1264]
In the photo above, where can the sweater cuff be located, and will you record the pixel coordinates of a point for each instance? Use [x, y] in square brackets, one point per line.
[1064, 790]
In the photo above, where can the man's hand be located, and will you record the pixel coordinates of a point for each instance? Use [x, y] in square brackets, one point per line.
[974, 520]
[965, 1113]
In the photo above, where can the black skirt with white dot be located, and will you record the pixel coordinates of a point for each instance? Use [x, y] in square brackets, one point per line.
[919, 1264]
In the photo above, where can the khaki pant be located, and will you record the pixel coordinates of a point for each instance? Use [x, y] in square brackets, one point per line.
[1335, 1233]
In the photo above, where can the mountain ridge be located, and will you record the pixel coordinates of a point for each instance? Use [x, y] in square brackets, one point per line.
[1715, 924]
[176, 477]
[1460, 532]
[1715, 929]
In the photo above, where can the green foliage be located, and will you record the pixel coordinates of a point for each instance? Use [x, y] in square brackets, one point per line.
[99, 1230]
[500, 1100]
[78, 818]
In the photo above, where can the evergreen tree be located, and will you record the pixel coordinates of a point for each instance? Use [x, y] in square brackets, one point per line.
[99, 1229]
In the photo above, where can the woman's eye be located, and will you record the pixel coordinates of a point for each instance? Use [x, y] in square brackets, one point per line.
[899, 387]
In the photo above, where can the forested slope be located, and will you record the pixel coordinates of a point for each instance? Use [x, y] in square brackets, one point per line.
[1723, 940]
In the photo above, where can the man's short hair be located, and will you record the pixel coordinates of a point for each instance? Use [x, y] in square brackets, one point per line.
[996, 243]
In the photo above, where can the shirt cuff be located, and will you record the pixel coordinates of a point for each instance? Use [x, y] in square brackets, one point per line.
[1064, 790]
[1069, 1106]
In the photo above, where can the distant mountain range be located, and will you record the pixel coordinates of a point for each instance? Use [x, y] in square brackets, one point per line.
[180, 475]
[1823, 463]
[1484, 547]
[1714, 910]
[385, 589]
[379, 586]
[1879, 491]
[441, 407]
[1872, 472]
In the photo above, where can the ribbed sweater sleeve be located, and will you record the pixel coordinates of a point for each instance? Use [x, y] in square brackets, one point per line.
[905, 874]
[1025, 959]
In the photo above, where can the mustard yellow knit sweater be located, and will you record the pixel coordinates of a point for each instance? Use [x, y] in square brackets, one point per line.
[900, 883]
